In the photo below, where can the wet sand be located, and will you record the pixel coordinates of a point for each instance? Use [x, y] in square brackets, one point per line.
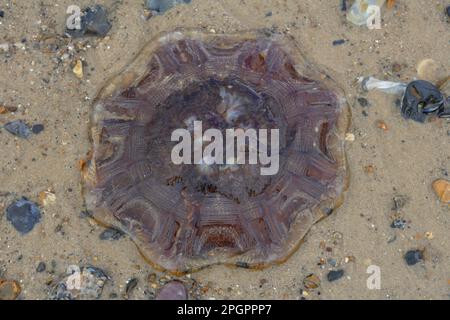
[403, 160]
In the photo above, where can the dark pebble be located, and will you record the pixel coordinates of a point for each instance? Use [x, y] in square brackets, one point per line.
[111, 234]
[18, 128]
[338, 42]
[363, 102]
[131, 285]
[344, 5]
[23, 214]
[2, 14]
[399, 224]
[413, 256]
[37, 128]
[448, 11]
[335, 275]
[94, 22]
[174, 290]
[269, 14]
[41, 267]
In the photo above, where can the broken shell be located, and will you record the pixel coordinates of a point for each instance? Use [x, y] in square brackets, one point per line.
[442, 189]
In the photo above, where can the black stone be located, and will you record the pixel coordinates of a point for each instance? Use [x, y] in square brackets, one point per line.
[412, 257]
[37, 128]
[335, 275]
[2, 14]
[338, 42]
[18, 128]
[41, 267]
[448, 11]
[111, 234]
[23, 214]
[363, 102]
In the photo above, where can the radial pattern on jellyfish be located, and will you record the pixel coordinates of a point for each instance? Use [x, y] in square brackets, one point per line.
[187, 216]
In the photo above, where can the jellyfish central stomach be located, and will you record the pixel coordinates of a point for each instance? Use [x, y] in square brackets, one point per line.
[216, 117]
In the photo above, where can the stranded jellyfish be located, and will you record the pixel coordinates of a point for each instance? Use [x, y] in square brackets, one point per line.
[184, 216]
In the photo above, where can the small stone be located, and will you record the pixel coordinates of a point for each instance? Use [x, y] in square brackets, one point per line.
[442, 189]
[111, 234]
[447, 10]
[311, 281]
[338, 42]
[46, 198]
[332, 262]
[412, 257]
[269, 14]
[23, 215]
[18, 128]
[173, 290]
[41, 267]
[429, 235]
[2, 14]
[349, 137]
[335, 275]
[363, 102]
[399, 224]
[78, 69]
[94, 22]
[9, 290]
[37, 128]
[131, 285]
[382, 125]
[85, 283]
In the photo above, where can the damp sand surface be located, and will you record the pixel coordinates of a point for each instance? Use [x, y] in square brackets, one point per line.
[389, 157]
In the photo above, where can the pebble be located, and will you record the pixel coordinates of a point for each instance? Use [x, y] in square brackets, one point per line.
[47, 198]
[18, 128]
[382, 125]
[94, 22]
[41, 267]
[131, 285]
[173, 290]
[311, 281]
[9, 289]
[78, 69]
[85, 283]
[363, 102]
[111, 234]
[413, 256]
[37, 128]
[399, 224]
[442, 189]
[2, 14]
[447, 10]
[335, 275]
[161, 6]
[23, 214]
[338, 42]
